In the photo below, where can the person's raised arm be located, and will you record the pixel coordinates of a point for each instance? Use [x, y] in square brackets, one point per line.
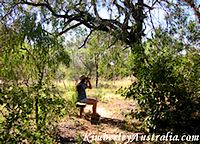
[88, 83]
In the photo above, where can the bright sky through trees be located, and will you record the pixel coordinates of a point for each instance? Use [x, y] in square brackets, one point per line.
[156, 18]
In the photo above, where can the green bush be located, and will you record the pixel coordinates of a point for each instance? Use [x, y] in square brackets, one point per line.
[29, 103]
[168, 90]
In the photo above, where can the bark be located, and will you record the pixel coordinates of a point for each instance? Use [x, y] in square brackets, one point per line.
[97, 73]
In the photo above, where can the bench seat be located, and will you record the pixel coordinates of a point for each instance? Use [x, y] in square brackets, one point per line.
[80, 104]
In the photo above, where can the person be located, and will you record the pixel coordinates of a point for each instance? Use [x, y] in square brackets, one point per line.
[82, 97]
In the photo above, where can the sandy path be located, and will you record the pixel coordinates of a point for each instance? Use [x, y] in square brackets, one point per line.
[112, 121]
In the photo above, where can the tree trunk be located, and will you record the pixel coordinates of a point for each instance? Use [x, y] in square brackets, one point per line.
[140, 20]
[41, 74]
[36, 110]
[97, 73]
[138, 48]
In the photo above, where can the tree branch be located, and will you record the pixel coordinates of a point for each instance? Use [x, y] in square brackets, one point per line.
[117, 29]
[9, 12]
[69, 28]
[47, 5]
[151, 19]
[95, 10]
[112, 43]
[86, 39]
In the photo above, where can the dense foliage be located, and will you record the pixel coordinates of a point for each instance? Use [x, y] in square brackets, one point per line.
[168, 87]
[30, 103]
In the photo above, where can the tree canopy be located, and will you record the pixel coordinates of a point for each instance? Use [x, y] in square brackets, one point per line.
[126, 20]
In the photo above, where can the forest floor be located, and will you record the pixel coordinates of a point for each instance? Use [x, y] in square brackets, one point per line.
[115, 124]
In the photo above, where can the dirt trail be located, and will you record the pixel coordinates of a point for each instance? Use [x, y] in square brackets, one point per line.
[113, 120]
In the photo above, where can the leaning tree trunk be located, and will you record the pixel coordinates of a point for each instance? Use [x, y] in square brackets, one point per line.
[140, 20]
[137, 47]
[97, 73]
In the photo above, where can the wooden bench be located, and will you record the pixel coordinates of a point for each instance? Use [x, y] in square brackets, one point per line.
[81, 106]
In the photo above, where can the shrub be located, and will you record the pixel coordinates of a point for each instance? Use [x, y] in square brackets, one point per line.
[168, 90]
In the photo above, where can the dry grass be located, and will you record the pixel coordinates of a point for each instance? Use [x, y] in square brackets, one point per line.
[106, 89]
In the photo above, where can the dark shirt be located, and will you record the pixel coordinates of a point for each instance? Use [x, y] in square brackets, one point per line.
[81, 91]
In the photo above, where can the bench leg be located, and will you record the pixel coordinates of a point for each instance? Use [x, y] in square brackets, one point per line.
[81, 111]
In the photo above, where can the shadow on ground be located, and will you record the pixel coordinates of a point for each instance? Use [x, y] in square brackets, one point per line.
[121, 124]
